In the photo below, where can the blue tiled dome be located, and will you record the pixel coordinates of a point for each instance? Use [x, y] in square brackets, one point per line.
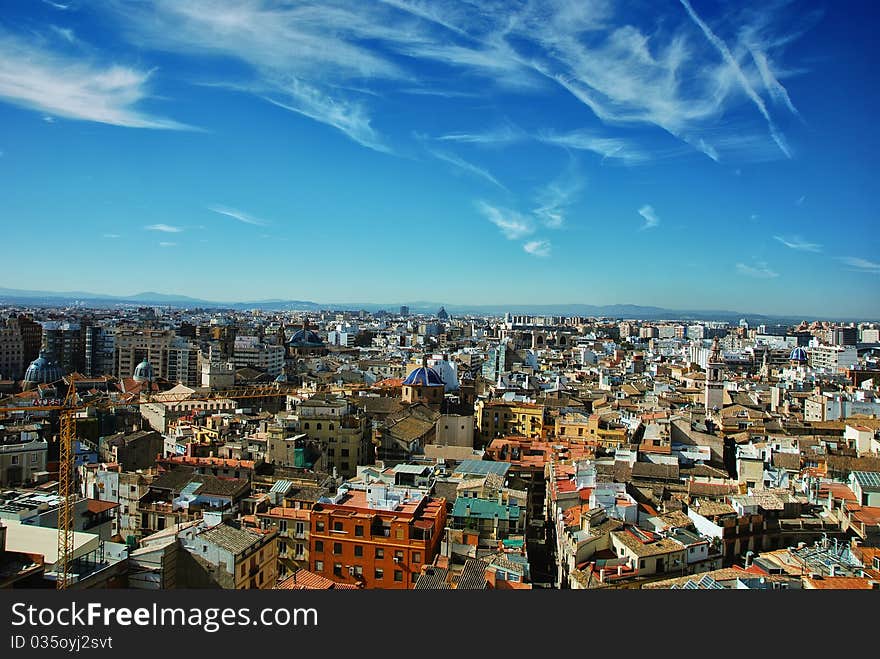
[305, 338]
[143, 371]
[798, 355]
[43, 370]
[424, 376]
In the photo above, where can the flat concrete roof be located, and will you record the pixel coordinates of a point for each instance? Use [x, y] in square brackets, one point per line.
[30, 539]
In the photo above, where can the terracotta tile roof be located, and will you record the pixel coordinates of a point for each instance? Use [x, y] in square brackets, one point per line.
[838, 583]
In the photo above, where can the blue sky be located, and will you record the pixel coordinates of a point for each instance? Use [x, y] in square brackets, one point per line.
[679, 153]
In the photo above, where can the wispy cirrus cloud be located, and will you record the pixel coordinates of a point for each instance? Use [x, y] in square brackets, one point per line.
[320, 58]
[164, 228]
[64, 32]
[513, 225]
[238, 215]
[165, 243]
[739, 75]
[758, 271]
[302, 57]
[859, 264]
[798, 243]
[650, 216]
[541, 248]
[466, 166]
[502, 135]
[34, 76]
[556, 197]
[607, 147]
[112, 235]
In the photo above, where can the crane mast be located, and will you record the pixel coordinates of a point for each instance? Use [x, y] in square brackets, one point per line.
[67, 436]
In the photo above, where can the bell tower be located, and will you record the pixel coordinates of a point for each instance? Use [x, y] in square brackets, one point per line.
[713, 398]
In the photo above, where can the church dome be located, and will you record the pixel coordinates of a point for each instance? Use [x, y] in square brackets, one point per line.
[305, 338]
[143, 371]
[798, 355]
[425, 377]
[43, 370]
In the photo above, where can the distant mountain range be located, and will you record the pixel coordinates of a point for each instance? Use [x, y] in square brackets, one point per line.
[631, 311]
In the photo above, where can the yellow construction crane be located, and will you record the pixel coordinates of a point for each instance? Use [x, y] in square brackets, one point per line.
[67, 410]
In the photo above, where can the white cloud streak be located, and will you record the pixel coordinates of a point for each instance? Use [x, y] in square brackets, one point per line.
[861, 265]
[556, 197]
[513, 225]
[164, 228]
[757, 271]
[468, 167]
[650, 216]
[37, 78]
[238, 215]
[798, 243]
[728, 57]
[541, 248]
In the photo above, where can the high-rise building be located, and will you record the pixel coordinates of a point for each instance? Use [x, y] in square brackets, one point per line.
[134, 345]
[32, 335]
[844, 336]
[100, 350]
[404, 310]
[65, 342]
[12, 361]
[182, 362]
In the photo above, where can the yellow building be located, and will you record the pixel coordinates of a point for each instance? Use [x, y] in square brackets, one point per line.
[590, 429]
[505, 419]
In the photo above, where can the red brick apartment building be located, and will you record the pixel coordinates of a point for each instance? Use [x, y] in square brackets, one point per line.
[379, 538]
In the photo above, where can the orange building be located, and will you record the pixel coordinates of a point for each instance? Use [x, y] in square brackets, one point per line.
[378, 538]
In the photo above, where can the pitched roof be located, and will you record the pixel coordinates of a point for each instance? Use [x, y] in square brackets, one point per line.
[230, 538]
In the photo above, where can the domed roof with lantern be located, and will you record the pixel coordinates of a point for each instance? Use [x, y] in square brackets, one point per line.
[43, 370]
[424, 376]
[143, 372]
[798, 355]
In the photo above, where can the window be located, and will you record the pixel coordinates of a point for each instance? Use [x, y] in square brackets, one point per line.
[319, 525]
[330, 426]
[282, 526]
[359, 531]
[34, 458]
[380, 552]
[642, 563]
[378, 573]
[344, 452]
[358, 550]
[331, 452]
[306, 426]
[15, 459]
[319, 566]
[398, 575]
[319, 545]
[417, 557]
[398, 533]
[337, 547]
[337, 569]
[398, 554]
[319, 426]
[337, 526]
[344, 466]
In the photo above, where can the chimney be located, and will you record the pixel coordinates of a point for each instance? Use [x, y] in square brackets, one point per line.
[602, 574]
